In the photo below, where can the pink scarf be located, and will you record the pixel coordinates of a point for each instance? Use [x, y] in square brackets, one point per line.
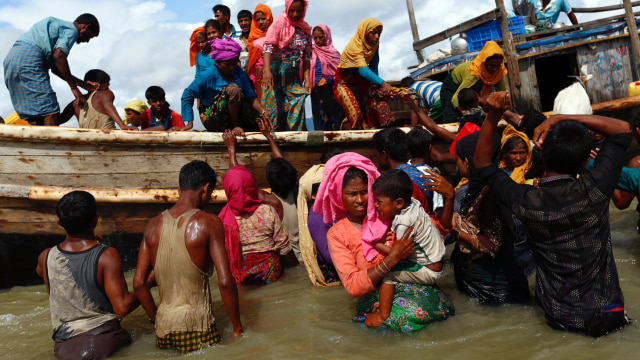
[281, 31]
[242, 198]
[329, 198]
[328, 55]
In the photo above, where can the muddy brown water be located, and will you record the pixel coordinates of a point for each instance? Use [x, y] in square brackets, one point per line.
[292, 319]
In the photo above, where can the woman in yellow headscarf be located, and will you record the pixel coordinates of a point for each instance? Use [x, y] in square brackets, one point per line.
[483, 74]
[357, 73]
[515, 152]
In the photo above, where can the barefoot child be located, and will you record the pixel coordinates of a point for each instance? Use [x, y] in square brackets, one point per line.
[392, 194]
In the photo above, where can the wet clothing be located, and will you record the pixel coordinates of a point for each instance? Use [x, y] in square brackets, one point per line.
[90, 118]
[97, 343]
[290, 221]
[567, 220]
[185, 307]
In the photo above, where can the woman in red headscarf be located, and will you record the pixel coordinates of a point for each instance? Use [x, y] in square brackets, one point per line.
[262, 20]
[286, 54]
[327, 114]
[254, 236]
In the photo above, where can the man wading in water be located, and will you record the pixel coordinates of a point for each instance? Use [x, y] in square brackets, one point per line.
[87, 290]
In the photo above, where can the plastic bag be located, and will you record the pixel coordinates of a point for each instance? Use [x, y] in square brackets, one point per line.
[572, 100]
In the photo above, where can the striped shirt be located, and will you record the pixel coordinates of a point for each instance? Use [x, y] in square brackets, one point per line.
[428, 92]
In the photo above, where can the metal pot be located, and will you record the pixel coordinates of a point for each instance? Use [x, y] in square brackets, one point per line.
[459, 46]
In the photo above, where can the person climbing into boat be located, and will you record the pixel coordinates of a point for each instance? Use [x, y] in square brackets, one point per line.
[428, 100]
[393, 201]
[98, 111]
[285, 79]
[327, 114]
[222, 90]
[179, 251]
[548, 11]
[484, 74]
[572, 250]
[159, 116]
[132, 112]
[46, 45]
[88, 293]
[256, 242]
[343, 197]
[357, 73]
[262, 20]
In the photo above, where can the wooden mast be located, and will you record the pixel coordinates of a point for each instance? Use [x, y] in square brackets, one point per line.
[633, 36]
[511, 57]
[414, 29]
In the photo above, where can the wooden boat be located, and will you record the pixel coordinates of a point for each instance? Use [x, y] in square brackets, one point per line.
[540, 64]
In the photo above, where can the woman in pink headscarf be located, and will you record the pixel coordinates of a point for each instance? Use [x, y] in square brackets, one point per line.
[287, 47]
[327, 114]
[254, 237]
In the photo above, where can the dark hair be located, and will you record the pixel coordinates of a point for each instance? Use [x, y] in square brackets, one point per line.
[567, 146]
[224, 9]
[328, 153]
[214, 24]
[406, 82]
[354, 173]
[154, 93]
[530, 121]
[418, 142]
[244, 14]
[471, 118]
[97, 75]
[201, 34]
[512, 143]
[196, 174]
[494, 57]
[76, 211]
[394, 184]
[635, 116]
[393, 141]
[537, 165]
[314, 188]
[91, 20]
[281, 176]
[467, 98]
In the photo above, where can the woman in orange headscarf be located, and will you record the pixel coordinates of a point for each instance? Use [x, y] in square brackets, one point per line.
[262, 19]
[484, 74]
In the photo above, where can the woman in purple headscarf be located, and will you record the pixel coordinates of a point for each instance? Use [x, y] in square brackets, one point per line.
[222, 90]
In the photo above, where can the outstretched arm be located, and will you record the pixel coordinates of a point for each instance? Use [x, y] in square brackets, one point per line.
[64, 72]
[226, 282]
[498, 103]
[230, 140]
[604, 125]
[106, 101]
[265, 129]
[428, 122]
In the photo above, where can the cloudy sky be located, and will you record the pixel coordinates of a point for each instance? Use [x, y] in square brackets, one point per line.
[145, 43]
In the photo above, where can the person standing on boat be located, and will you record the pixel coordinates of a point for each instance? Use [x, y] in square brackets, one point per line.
[222, 13]
[357, 73]
[87, 290]
[26, 68]
[549, 10]
[222, 90]
[159, 116]
[262, 20]
[327, 114]
[566, 217]
[98, 111]
[179, 250]
[483, 74]
[287, 50]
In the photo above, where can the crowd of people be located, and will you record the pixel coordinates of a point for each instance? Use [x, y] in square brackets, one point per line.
[530, 195]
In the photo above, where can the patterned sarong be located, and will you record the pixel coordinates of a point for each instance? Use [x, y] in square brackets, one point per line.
[26, 74]
[188, 341]
[285, 99]
[414, 307]
[258, 268]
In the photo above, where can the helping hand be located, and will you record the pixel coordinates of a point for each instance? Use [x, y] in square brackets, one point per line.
[438, 184]
[229, 138]
[499, 102]
[403, 247]
[265, 127]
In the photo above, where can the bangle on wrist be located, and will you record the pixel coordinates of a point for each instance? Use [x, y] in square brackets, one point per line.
[378, 271]
[385, 266]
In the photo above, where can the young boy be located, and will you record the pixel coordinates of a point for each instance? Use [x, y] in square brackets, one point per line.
[392, 194]
[159, 117]
[566, 217]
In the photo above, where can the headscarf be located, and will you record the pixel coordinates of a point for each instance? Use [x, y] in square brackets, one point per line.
[243, 197]
[224, 49]
[281, 31]
[518, 173]
[194, 48]
[255, 52]
[358, 53]
[468, 128]
[329, 198]
[478, 69]
[328, 55]
[466, 148]
[138, 106]
[307, 246]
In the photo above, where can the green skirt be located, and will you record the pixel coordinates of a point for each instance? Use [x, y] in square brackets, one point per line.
[414, 307]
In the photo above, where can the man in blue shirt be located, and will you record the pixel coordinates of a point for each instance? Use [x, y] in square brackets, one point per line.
[549, 10]
[222, 89]
[26, 68]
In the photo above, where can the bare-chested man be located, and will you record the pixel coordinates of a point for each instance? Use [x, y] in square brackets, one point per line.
[180, 248]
